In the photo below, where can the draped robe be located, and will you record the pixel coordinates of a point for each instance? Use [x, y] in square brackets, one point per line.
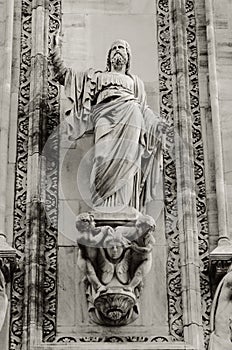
[127, 138]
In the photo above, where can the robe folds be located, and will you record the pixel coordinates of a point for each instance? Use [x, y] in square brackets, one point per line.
[127, 137]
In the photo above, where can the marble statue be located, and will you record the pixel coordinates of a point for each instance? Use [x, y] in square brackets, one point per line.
[221, 315]
[115, 249]
[114, 273]
[127, 134]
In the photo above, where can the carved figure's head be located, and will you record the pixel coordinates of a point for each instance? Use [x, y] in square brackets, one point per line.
[116, 245]
[115, 252]
[118, 55]
[85, 222]
[145, 223]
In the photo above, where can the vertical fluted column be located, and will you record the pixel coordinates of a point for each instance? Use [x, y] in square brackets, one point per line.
[6, 27]
[214, 102]
[186, 195]
[6, 252]
[35, 206]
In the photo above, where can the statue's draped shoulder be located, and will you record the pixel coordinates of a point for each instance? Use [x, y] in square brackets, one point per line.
[82, 89]
[80, 92]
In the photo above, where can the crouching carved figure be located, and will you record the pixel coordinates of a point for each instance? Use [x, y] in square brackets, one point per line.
[221, 315]
[114, 261]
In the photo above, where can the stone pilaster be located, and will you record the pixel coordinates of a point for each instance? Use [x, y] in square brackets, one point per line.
[214, 101]
[35, 216]
[186, 195]
[7, 13]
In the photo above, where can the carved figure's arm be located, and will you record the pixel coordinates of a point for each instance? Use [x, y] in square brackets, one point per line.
[92, 277]
[147, 246]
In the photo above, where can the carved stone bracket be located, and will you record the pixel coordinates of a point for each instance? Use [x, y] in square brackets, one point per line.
[114, 260]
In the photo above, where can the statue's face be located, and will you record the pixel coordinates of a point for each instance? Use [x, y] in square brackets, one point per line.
[118, 55]
[115, 252]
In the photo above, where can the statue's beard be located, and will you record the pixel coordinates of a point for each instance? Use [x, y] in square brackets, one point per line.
[118, 61]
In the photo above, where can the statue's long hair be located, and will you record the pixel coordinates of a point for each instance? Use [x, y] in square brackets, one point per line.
[128, 50]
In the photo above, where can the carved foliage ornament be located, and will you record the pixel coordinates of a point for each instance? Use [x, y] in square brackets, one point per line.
[113, 339]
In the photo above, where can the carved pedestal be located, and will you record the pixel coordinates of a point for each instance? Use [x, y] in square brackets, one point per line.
[114, 259]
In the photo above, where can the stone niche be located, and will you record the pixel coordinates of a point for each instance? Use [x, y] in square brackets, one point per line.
[88, 30]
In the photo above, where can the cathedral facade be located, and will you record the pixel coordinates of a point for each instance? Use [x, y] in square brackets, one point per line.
[181, 50]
